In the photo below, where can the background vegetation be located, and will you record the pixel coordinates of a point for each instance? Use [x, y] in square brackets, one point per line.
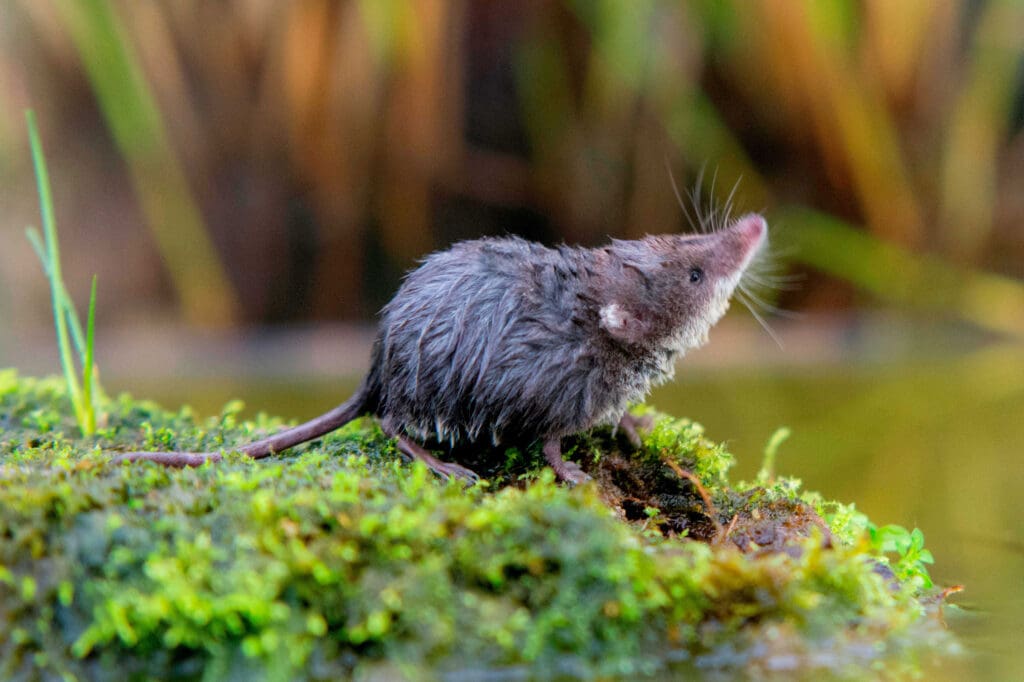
[255, 161]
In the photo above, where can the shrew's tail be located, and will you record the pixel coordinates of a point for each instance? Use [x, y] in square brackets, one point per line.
[314, 428]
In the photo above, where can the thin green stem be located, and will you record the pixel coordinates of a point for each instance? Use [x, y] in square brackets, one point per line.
[767, 473]
[77, 335]
[54, 273]
[88, 373]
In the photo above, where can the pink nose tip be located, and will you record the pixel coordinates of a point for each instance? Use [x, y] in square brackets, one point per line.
[752, 227]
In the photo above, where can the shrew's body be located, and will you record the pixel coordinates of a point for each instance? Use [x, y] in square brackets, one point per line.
[502, 338]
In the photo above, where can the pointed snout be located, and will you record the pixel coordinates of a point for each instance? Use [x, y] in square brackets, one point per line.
[738, 244]
[751, 230]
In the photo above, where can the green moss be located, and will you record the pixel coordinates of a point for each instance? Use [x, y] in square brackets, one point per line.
[341, 557]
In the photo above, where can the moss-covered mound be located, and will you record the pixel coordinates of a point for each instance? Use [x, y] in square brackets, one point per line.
[343, 559]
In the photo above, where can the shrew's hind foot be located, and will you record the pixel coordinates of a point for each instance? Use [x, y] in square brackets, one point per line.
[629, 423]
[449, 469]
[569, 472]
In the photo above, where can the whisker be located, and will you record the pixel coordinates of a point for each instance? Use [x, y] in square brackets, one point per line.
[766, 306]
[774, 275]
[695, 201]
[760, 320]
[712, 207]
[784, 252]
[773, 286]
[767, 280]
[729, 199]
[679, 197]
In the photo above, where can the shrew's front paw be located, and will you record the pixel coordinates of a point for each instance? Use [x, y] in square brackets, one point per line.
[629, 423]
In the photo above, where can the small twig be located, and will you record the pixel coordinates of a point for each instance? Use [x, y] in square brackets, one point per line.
[721, 539]
[953, 589]
[701, 490]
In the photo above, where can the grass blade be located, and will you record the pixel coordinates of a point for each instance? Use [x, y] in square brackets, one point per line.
[53, 271]
[88, 375]
[69, 309]
[766, 475]
[37, 245]
[115, 72]
[897, 275]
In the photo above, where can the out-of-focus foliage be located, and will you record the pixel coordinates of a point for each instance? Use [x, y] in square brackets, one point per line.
[341, 557]
[327, 144]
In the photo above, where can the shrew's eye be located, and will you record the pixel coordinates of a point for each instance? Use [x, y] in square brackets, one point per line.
[696, 275]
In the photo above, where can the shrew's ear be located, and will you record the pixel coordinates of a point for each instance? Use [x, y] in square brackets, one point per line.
[621, 324]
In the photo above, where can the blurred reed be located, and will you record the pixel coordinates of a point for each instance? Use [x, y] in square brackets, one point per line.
[291, 159]
[123, 95]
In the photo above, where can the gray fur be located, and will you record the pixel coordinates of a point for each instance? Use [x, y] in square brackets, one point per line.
[506, 339]
[500, 337]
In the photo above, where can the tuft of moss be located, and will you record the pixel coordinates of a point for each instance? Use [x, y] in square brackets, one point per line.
[342, 559]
